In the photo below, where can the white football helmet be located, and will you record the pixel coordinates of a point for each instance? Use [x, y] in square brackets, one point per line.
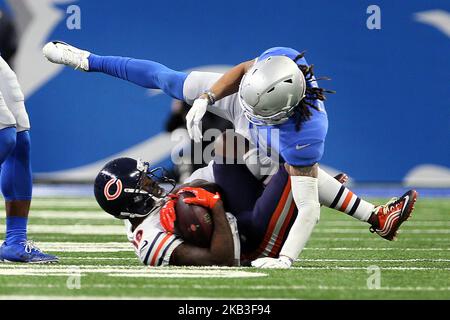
[271, 89]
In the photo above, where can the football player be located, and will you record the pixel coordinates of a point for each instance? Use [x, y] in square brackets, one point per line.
[262, 214]
[16, 175]
[129, 190]
[274, 94]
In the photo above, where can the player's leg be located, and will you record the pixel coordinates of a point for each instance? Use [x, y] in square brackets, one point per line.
[145, 73]
[384, 220]
[16, 177]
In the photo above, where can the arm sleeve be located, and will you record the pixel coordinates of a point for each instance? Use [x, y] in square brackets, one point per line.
[306, 196]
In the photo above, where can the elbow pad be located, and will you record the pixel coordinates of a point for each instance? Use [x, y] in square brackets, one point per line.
[305, 192]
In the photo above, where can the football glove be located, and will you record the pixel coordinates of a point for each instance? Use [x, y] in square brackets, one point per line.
[194, 119]
[282, 262]
[202, 197]
[167, 214]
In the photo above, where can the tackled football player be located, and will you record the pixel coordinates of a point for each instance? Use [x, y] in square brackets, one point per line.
[276, 93]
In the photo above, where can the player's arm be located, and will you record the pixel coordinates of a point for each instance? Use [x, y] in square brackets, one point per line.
[229, 82]
[225, 86]
[305, 192]
[220, 251]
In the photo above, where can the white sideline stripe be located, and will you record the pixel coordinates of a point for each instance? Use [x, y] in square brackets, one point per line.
[434, 223]
[79, 215]
[359, 239]
[140, 297]
[121, 271]
[75, 229]
[228, 287]
[120, 230]
[404, 231]
[365, 268]
[374, 260]
[298, 260]
[125, 246]
[380, 249]
[128, 271]
[86, 246]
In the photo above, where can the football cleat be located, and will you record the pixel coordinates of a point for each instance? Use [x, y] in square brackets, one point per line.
[392, 214]
[62, 53]
[26, 252]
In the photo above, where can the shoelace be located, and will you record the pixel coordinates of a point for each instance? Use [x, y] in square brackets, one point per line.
[30, 245]
[69, 57]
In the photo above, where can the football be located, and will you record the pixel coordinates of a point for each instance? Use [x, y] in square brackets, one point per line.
[194, 223]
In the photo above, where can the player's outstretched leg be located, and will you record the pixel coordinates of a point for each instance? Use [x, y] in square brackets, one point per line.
[385, 220]
[145, 73]
[16, 185]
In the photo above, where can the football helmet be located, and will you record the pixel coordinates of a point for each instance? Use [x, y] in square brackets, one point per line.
[127, 188]
[271, 89]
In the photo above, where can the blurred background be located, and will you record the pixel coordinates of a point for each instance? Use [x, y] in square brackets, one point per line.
[389, 121]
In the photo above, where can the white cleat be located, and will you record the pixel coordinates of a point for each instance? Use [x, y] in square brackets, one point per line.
[61, 53]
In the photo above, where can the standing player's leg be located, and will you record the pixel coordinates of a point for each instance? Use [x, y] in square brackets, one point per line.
[16, 176]
[145, 73]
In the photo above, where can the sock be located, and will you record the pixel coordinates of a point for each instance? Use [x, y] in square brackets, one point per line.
[7, 142]
[145, 73]
[16, 229]
[334, 195]
[16, 175]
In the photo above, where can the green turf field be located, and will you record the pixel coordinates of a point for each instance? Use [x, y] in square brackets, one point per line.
[339, 261]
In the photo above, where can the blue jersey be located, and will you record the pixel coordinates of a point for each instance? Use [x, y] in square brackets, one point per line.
[297, 148]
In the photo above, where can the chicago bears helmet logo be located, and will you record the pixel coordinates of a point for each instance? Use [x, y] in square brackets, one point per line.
[118, 191]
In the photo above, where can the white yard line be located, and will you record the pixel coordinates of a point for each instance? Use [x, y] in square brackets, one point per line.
[79, 215]
[120, 230]
[75, 229]
[229, 287]
[415, 223]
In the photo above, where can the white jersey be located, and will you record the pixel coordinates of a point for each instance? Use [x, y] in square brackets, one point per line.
[153, 245]
[229, 108]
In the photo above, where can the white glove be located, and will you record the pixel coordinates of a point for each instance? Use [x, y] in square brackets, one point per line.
[194, 119]
[282, 262]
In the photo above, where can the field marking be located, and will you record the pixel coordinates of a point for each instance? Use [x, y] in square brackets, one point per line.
[298, 260]
[365, 268]
[129, 271]
[79, 215]
[48, 269]
[120, 230]
[127, 247]
[376, 249]
[228, 287]
[403, 237]
[76, 229]
[363, 230]
[415, 223]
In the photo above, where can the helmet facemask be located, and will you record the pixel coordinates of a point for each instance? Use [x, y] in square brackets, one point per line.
[147, 196]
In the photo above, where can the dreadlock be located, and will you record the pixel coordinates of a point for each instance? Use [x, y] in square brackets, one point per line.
[312, 93]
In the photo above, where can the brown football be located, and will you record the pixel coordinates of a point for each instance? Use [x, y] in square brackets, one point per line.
[194, 223]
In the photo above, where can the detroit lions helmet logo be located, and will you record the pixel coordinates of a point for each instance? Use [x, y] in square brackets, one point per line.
[116, 194]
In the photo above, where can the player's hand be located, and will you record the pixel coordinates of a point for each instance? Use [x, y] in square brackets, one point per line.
[167, 214]
[272, 263]
[194, 119]
[202, 197]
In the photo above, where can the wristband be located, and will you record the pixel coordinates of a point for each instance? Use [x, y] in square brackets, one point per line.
[211, 97]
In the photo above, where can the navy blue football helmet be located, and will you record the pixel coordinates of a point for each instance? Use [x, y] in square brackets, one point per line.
[127, 188]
